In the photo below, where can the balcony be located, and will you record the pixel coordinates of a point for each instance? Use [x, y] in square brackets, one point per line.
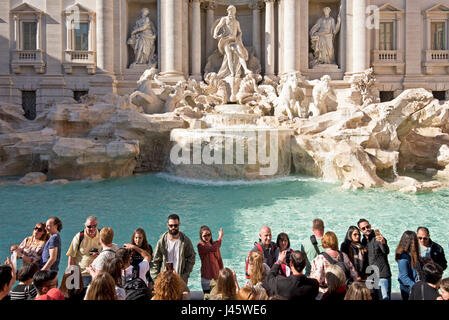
[436, 59]
[87, 59]
[28, 58]
[389, 58]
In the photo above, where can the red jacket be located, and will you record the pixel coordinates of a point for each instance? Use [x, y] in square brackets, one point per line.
[211, 262]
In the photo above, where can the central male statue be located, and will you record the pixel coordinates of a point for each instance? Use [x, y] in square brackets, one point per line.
[230, 45]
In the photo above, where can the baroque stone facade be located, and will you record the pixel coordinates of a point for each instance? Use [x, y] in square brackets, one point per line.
[54, 49]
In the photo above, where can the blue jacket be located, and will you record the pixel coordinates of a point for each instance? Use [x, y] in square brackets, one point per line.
[407, 274]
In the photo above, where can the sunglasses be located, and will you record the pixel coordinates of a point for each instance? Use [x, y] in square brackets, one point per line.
[91, 227]
[366, 227]
[39, 229]
[173, 225]
[207, 235]
[423, 238]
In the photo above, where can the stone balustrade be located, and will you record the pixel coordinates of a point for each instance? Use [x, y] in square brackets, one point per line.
[27, 58]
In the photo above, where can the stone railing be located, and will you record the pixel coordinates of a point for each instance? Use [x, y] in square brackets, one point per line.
[437, 55]
[86, 59]
[28, 58]
[389, 58]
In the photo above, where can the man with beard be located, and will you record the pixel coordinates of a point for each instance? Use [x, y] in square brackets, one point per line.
[174, 250]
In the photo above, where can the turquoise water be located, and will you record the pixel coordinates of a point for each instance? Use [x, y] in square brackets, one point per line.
[286, 205]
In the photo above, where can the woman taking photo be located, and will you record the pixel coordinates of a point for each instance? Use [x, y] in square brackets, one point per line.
[211, 262]
[283, 244]
[407, 257]
[356, 252]
[30, 250]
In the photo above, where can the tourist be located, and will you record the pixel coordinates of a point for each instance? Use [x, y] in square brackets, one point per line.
[25, 290]
[430, 251]
[252, 293]
[407, 257]
[227, 286]
[444, 289]
[295, 287]
[30, 250]
[72, 284]
[428, 288]
[358, 291]
[170, 286]
[132, 272]
[329, 256]
[311, 246]
[7, 279]
[209, 252]
[44, 281]
[102, 288]
[378, 250]
[283, 244]
[85, 247]
[176, 248]
[265, 246]
[336, 284]
[356, 252]
[141, 253]
[257, 269]
[107, 252]
[51, 255]
[115, 267]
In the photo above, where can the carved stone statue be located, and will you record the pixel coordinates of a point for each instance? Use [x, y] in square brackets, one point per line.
[322, 37]
[363, 86]
[321, 91]
[290, 97]
[230, 45]
[143, 38]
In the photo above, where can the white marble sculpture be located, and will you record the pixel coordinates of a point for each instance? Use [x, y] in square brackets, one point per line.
[230, 44]
[321, 91]
[290, 97]
[143, 38]
[322, 37]
[364, 89]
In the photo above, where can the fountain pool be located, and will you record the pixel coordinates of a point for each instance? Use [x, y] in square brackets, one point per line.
[241, 208]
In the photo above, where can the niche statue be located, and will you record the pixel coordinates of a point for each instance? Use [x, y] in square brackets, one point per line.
[143, 38]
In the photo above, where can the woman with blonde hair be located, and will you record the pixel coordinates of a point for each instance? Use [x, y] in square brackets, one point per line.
[227, 286]
[102, 288]
[170, 286]
[30, 250]
[358, 291]
[336, 284]
[331, 256]
[252, 293]
[257, 269]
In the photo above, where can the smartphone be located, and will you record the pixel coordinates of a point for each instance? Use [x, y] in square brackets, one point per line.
[377, 232]
[14, 259]
[169, 266]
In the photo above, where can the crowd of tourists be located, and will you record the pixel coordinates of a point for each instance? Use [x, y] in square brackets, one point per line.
[321, 269]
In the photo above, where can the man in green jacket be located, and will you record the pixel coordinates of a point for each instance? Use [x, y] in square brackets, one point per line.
[312, 246]
[175, 248]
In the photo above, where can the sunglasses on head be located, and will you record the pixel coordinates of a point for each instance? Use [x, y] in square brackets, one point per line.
[366, 227]
[423, 238]
[91, 227]
[39, 229]
[173, 225]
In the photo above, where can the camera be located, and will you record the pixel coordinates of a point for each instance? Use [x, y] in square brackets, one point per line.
[93, 251]
[287, 257]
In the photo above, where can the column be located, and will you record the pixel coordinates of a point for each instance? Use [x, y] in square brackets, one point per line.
[171, 34]
[16, 33]
[269, 38]
[413, 36]
[38, 33]
[360, 60]
[289, 32]
[105, 39]
[255, 5]
[342, 50]
[196, 39]
[210, 19]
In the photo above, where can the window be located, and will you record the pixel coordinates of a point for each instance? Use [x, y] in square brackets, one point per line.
[81, 36]
[29, 104]
[78, 94]
[386, 36]
[440, 95]
[29, 35]
[386, 96]
[438, 33]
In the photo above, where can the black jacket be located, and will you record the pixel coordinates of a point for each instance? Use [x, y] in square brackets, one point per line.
[377, 255]
[437, 254]
[292, 288]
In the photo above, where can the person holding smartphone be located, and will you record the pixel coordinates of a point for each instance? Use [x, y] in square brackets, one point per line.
[211, 261]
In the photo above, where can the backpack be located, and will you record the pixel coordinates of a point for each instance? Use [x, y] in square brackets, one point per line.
[340, 263]
[82, 237]
[315, 243]
[135, 288]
